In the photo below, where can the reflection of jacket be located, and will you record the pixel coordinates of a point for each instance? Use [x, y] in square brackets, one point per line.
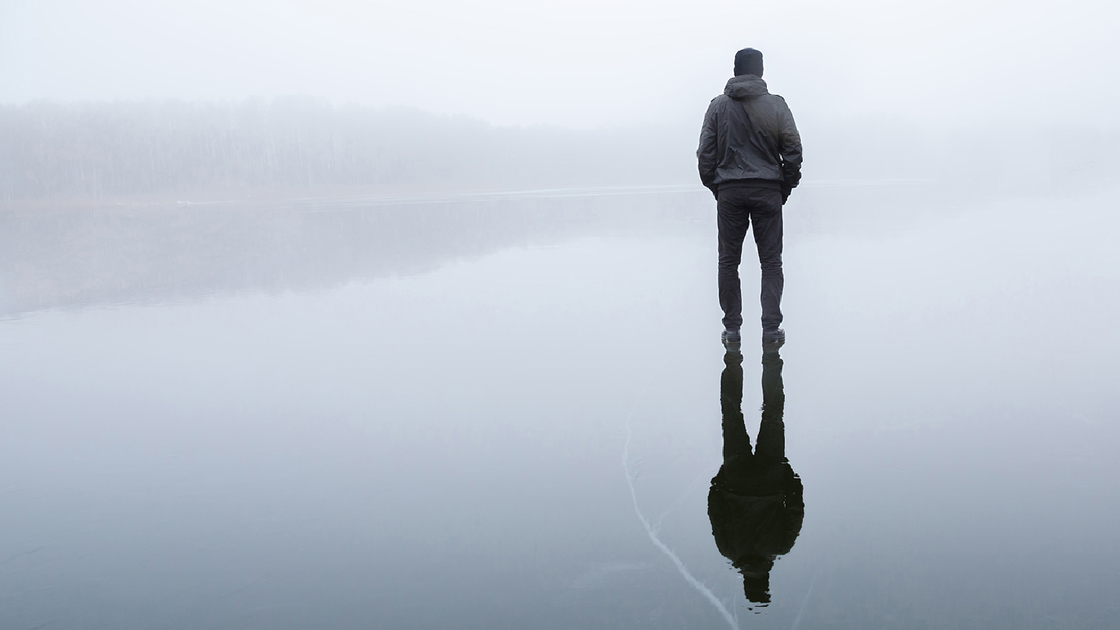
[728, 151]
[755, 503]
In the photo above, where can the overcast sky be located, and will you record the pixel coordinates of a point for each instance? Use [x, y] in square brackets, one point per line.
[578, 63]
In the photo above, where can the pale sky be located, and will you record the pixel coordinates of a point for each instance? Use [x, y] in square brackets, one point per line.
[578, 63]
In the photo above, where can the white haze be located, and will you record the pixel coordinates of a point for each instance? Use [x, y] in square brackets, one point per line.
[321, 314]
[579, 63]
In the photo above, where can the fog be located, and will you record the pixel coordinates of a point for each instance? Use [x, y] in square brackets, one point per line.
[192, 151]
[126, 98]
[581, 64]
[344, 315]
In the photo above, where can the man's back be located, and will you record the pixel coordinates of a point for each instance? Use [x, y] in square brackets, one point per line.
[749, 134]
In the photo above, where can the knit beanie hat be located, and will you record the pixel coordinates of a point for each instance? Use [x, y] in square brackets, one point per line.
[748, 61]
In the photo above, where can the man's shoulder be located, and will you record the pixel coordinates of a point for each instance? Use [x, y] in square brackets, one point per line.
[719, 100]
[717, 105]
[773, 103]
[778, 102]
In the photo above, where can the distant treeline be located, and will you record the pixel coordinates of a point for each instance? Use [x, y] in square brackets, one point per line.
[168, 148]
[157, 148]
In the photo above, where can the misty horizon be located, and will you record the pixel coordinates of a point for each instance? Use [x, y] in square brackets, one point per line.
[110, 99]
[155, 148]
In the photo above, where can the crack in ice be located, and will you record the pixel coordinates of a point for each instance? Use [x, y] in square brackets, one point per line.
[651, 531]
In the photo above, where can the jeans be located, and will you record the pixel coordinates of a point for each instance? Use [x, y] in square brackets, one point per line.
[736, 208]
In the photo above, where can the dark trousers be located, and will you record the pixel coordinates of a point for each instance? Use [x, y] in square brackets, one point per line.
[736, 208]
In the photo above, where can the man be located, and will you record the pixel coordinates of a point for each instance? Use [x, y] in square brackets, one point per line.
[750, 158]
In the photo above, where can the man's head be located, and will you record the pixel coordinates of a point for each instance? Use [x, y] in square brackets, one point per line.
[748, 61]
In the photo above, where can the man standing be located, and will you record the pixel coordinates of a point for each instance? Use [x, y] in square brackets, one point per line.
[750, 158]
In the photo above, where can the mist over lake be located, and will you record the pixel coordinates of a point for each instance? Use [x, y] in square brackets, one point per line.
[340, 315]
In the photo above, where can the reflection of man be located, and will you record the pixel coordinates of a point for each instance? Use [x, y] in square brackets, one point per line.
[755, 503]
[750, 158]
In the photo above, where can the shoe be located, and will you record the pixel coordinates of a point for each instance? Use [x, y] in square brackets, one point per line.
[731, 339]
[774, 336]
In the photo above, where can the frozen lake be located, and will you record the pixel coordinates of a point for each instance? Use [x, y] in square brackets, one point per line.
[505, 412]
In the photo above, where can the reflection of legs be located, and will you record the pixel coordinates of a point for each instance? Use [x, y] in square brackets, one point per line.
[732, 220]
[767, 215]
[772, 433]
[736, 442]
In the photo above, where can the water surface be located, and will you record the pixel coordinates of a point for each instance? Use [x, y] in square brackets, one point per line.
[508, 412]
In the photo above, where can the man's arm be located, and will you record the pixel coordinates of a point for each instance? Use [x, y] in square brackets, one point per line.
[791, 150]
[706, 154]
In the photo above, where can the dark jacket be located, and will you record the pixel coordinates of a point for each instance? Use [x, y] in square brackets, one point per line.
[729, 151]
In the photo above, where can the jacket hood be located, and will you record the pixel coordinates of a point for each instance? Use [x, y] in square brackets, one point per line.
[745, 86]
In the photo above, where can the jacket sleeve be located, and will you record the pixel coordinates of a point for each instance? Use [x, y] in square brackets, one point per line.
[790, 147]
[706, 153]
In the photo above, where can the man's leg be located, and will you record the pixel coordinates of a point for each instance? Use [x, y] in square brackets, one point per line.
[766, 211]
[732, 219]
